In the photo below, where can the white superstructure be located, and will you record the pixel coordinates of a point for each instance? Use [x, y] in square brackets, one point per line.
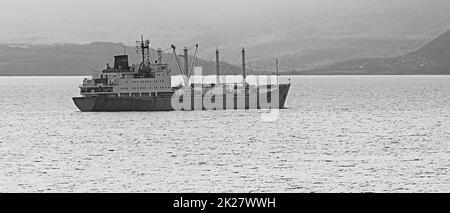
[122, 80]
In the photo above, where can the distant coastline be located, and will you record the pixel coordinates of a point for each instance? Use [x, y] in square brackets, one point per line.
[79, 60]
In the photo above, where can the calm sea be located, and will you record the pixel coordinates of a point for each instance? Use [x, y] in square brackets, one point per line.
[338, 134]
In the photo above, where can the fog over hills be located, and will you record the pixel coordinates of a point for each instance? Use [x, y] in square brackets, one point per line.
[76, 59]
[304, 34]
[432, 58]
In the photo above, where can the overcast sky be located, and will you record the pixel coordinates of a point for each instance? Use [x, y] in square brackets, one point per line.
[118, 20]
[166, 21]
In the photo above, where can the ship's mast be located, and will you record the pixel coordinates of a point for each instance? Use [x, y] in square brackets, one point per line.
[217, 67]
[186, 73]
[276, 62]
[142, 48]
[183, 74]
[244, 76]
[186, 62]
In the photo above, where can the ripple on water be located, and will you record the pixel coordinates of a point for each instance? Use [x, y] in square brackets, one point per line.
[347, 133]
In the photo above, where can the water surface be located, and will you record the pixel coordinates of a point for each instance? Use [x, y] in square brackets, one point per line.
[338, 134]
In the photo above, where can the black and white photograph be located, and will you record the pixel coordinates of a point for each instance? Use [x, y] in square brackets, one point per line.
[224, 96]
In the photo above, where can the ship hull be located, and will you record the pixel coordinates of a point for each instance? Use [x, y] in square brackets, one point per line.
[156, 103]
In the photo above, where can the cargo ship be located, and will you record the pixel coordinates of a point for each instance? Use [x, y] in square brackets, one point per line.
[147, 87]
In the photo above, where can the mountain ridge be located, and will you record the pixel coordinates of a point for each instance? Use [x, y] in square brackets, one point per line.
[75, 59]
[432, 58]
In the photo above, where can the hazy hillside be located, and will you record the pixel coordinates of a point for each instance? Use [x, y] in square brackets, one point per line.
[432, 58]
[72, 59]
[355, 30]
[303, 34]
[310, 53]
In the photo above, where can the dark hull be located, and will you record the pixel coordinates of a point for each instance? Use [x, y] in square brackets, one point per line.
[105, 103]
